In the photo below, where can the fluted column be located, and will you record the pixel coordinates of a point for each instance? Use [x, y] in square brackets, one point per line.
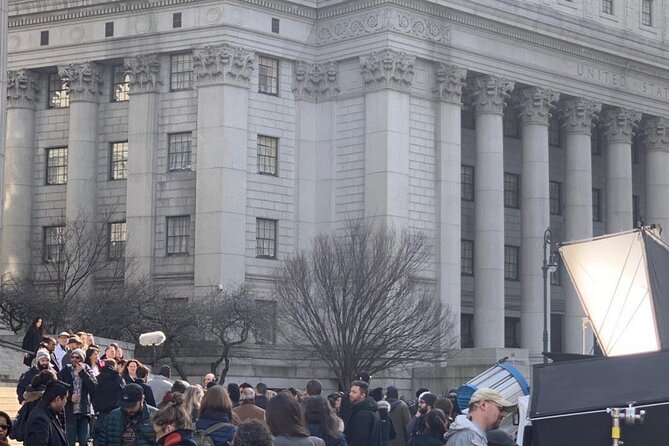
[222, 76]
[388, 77]
[577, 117]
[619, 124]
[656, 133]
[22, 95]
[315, 89]
[144, 78]
[490, 93]
[535, 105]
[85, 82]
[448, 93]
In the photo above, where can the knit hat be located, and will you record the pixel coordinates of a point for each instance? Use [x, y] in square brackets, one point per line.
[41, 353]
[429, 398]
[79, 352]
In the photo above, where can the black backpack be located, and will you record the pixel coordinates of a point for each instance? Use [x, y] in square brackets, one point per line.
[202, 437]
[18, 431]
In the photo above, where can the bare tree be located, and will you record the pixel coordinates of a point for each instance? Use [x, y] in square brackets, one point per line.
[354, 299]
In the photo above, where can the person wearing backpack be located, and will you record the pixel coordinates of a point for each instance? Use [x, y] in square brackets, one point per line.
[31, 396]
[214, 425]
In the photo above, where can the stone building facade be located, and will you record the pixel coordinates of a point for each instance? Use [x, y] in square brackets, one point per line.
[224, 135]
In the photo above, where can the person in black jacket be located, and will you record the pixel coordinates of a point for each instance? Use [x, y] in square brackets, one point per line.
[107, 393]
[42, 362]
[44, 426]
[32, 340]
[363, 426]
[79, 377]
[433, 435]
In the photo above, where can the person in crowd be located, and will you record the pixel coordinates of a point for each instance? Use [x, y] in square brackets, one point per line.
[245, 385]
[497, 437]
[417, 424]
[129, 372]
[172, 424]
[119, 350]
[216, 416]
[335, 401]
[129, 424]
[110, 353]
[400, 416]
[208, 378]
[90, 339]
[32, 396]
[83, 338]
[5, 428]
[32, 340]
[376, 393]
[487, 408]
[49, 344]
[160, 384]
[42, 362]
[252, 433]
[93, 359]
[387, 428]
[261, 395]
[107, 394]
[323, 422]
[77, 410]
[192, 399]
[120, 365]
[453, 397]
[286, 422]
[247, 408]
[313, 388]
[142, 376]
[45, 427]
[234, 393]
[363, 426]
[72, 344]
[433, 435]
[446, 405]
[61, 348]
[270, 394]
[413, 407]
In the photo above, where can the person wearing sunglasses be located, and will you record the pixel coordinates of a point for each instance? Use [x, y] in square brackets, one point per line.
[5, 428]
[78, 409]
[487, 409]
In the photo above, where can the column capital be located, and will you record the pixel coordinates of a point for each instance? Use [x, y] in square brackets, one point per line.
[450, 80]
[387, 69]
[143, 72]
[315, 81]
[223, 64]
[656, 133]
[578, 114]
[85, 80]
[535, 104]
[619, 123]
[490, 93]
[22, 89]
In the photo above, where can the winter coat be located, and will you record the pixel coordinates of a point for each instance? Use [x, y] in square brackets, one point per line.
[364, 424]
[179, 437]
[463, 432]
[32, 339]
[114, 423]
[429, 437]
[160, 386]
[281, 440]
[88, 385]
[108, 391]
[25, 380]
[415, 427]
[44, 428]
[261, 401]
[317, 431]
[249, 411]
[399, 414]
[222, 436]
[387, 428]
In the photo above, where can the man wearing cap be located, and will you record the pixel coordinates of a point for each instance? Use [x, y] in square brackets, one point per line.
[79, 377]
[61, 348]
[487, 408]
[72, 344]
[42, 362]
[418, 424]
[129, 424]
[160, 383]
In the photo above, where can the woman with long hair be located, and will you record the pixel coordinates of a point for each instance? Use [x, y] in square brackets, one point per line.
[32, 340]
[216, 416]
[192, 398]
[129, 372]
[322, 421]
[286, 422]
[92, 359]
[234, 393]
[172, 424]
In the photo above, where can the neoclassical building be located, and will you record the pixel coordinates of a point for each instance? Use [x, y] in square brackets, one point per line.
[223, 135]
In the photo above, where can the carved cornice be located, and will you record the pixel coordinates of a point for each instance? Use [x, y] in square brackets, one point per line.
[656, 133]
[578, 114]
[535, 104]
[223, 65]
[619, 123]
[22, 89]
[144, 73]
[85, 81]
[490, 93]
[315, 81]
[387, 69]
[450, 80]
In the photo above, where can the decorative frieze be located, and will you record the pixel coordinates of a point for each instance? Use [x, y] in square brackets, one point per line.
[315, 81]
[22, 88]
[223, 65]
[535, 104]
[578, 114]
[490, 93]
[387, 69]
[619, 123]
[84, 79]
[656, 133]
[450, 80]
[143, 72]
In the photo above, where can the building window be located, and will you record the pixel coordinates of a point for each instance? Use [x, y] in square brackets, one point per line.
[556, 333]
[54, 244]
[511, 332]
[266, 238]
[268, 75]
[118, 167]
[178, 234]
[596, 205]
[467, 119]
[267, 311]
[637, 219]
[467, 257]
[511, 190]
[607, 6]
[176, 20]
[44, 38]
[467, 182]
[646, 13]
[510, 123]
[555, 198]
[554, 131]
[596, 141]
[511, 262]
[275, 25]
[181, 73]
[56, 166]
[267, 154]
[556, 276]
[117, 238]
[59, 91]
[179, 151]
[121, 84]
[109, 29]
[466, 330]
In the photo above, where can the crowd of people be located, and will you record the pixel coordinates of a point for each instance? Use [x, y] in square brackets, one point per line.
[72, 394]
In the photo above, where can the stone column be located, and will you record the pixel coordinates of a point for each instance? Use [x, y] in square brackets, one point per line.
[315, 89]
[535, 105]
[656, 132]
[388, 76]
[619, 124]
[22, 95]
[490, 92]
[4, 15]
[448, 93]
[144, 77]
[85, 81]
[577, 117]
[222, 76]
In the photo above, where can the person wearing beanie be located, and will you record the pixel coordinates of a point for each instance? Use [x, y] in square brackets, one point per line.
[79, 376]
[418, 423]
[160, 384]
[400, 416]
[42, 362]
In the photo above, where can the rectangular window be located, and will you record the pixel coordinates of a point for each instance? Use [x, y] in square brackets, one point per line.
[179, 151]
[511, 190]
[181, 72]
[467, 182]
[176, 20]
[117, 238]
[267, 154]
[178, 235]
[646, 13]
[466, 330]
[556, 333]
[109, 29]
[266, 238]
[510, 123]
[44, 38]
[59, 92]
[467, 257]
[596, 205]
[121, 84]
[467, 120]
[56, 166]
[118, 166]
[54, 244]
[268, 75]
[555, 198]
[607, 6]
[636, 211]
[275, 25]
[554, 131]
[511, 332]
[596, 141]
[511, 262]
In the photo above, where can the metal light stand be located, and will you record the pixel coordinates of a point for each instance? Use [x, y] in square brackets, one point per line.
[628, 415]
[549, 266]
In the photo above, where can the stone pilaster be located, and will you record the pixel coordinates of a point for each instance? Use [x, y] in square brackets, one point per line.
[4, 15]
[656, 135]
[388, 69]
[315, 81]
[490, 94]
[143, 73]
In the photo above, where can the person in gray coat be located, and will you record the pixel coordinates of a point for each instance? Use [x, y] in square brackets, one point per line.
[160, 384]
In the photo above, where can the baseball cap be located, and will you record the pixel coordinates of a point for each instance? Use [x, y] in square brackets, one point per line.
[131, 394]
[64, 334]
[485, 394]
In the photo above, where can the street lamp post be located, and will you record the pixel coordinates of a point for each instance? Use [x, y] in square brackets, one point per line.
[549, 266]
